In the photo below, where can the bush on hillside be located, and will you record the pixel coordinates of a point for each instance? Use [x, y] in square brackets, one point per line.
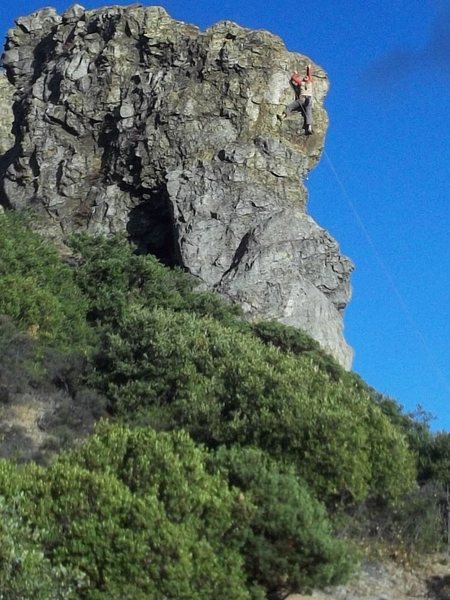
[436, 464]
[295, 341]
[289, 545]
[415, 524]
[179, 370]
[25, 572]
[134, 514]
[37, 290]
[415, 426]
[114, 277]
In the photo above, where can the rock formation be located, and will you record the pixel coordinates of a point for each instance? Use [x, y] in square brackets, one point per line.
[6, 114]
[126, 120]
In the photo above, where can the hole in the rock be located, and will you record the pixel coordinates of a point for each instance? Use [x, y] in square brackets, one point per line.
[151, 228]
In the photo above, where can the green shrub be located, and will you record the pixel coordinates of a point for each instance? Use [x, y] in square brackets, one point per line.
[436, 462]
[37, 290]
[415, 524]
[17, 352]
[415, 427]
[180, 370]
[134, 514]
[295, 341]
[289, 544]
[24, 570]
[418, 521]
[114, 278]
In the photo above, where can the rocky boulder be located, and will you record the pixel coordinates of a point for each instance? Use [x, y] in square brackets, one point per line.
[127, 120]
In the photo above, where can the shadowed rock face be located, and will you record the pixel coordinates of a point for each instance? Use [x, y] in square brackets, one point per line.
[128, 120]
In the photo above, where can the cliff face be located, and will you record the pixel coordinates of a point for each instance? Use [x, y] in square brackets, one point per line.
[128, 120]
[6, 114]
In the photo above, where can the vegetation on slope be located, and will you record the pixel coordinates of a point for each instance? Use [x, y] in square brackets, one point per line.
[37, 290]
[233, 450]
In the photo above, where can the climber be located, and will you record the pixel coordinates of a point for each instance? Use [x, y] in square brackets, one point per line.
[303, 98]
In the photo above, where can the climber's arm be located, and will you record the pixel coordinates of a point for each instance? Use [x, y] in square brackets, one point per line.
[295, 78]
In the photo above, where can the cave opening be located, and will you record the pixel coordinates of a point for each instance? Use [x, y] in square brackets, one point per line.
[151, 227]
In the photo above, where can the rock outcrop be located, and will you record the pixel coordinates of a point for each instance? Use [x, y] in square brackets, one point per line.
[6, 114]
[126, 120]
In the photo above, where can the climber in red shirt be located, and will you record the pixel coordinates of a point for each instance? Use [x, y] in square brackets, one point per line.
[304, 94]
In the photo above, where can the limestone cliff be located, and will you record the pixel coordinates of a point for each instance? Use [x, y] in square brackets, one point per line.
[128, 120]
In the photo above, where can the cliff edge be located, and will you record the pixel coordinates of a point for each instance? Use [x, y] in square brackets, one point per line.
[127, 120]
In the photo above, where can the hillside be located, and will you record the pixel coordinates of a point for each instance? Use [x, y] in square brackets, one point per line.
[301, 459]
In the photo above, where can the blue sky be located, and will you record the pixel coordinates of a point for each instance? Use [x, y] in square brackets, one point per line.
[383, 187]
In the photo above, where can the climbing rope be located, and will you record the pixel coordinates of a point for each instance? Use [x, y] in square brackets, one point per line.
[387, 274]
